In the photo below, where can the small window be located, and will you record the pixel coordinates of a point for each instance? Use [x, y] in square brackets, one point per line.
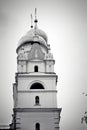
[36, 68]
[37, 100]
[37, 126]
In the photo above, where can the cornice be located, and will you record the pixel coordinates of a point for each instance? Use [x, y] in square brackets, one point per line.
[35, 91]
[36, 74]
[37, 110]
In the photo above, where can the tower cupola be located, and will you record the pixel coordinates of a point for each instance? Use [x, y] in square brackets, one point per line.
[33, 50]
[32, 36]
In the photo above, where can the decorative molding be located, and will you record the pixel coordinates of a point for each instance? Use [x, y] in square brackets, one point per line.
[35, 91]
[36, 74]
[37, 110]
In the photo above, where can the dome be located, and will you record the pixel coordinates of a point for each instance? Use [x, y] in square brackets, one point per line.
[34, 35]
[38, 32]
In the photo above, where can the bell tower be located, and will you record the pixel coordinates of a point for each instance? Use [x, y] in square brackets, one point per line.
[34, 90]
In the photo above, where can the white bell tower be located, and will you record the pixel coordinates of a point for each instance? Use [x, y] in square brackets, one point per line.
[34, 90]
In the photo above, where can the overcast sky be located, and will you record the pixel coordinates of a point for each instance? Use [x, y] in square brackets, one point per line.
[65, 22]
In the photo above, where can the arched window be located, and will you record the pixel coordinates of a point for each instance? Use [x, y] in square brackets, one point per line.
[37, 126]
[36, 86]
[35, 68]
[37, 100]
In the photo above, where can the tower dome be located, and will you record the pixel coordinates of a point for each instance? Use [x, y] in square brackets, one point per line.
[34, 35]
[38, 32]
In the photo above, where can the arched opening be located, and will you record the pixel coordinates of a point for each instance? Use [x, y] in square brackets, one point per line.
[36, 86]
[37, 127]
[37, 100]
[35, 68]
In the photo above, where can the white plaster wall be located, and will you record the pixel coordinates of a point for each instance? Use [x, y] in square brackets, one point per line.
[45, 119]
[24, 83]
[24, 68]
[52, 68]
[21, 67]
[49, 68]
[31, 64]
[47, 99]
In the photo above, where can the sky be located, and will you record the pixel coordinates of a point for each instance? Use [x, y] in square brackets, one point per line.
[65, 23]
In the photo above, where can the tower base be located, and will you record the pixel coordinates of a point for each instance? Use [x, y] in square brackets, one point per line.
[36, 118]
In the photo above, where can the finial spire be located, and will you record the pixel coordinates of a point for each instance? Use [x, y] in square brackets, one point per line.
[35, 13]
[31, 21]
[35, 18]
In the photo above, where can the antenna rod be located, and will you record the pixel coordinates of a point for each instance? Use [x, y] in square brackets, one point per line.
[35, 18]
[36, 14]
[31, 21]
